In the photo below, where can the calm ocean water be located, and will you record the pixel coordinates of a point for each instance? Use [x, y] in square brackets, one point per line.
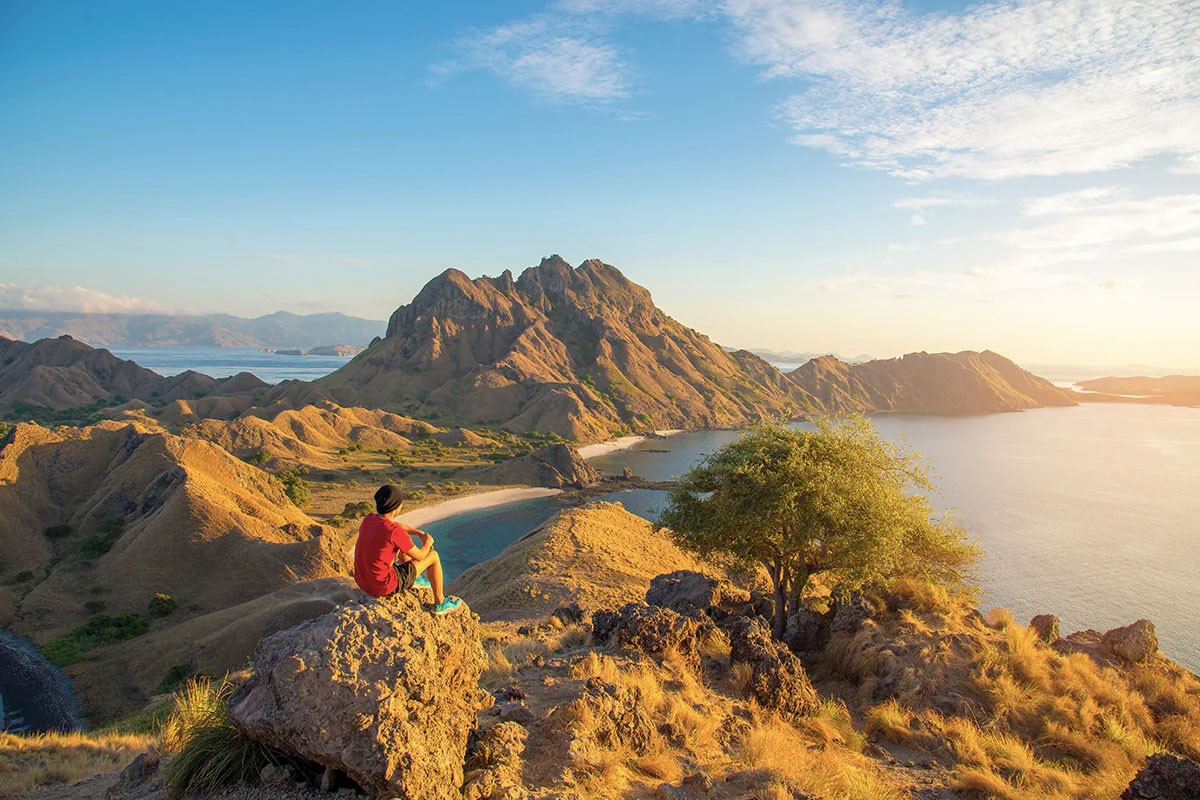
[1091, 513]
[221, 362]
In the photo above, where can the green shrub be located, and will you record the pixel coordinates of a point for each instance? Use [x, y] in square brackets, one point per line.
[174, 678]
[94, 606]
[58, 531]
[210, 753]
[360, 509]
[162, 604]
[294, 485]
[22, 577]
[256, 459]
[98, 631]
[109, 532]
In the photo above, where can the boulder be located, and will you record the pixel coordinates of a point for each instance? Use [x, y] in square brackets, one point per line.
[555, 466]
[571, 614]
[381, 690]
[807, 631]
[1165, 777]
[777, 679]
[658, 631]
[604, 624]
[495, 761]
[1045, 626]
[1133, 643]
[687, 591]
[850, 614]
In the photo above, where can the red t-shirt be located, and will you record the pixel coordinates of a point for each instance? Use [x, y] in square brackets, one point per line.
[379, 542]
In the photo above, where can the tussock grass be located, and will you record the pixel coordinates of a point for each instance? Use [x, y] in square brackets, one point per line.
[49, 758]
[208, 751]
[1015, 717]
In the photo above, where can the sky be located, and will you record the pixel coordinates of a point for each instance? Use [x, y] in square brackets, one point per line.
[807, 175]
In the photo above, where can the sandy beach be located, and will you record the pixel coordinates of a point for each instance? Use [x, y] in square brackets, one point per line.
[474, 502]
[623, 443]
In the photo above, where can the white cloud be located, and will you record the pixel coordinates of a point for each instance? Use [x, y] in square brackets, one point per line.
[1105, 218]
[918, 205]
[1005, 89]
[561, 60]
[73, 298]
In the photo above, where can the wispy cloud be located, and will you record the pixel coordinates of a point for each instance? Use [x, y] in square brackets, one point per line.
[919, 205]
[73, 298]
[1107, 218]
[1003, 90]
[563, 60]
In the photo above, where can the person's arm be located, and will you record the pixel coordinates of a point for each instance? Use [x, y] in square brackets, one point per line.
[418, 553]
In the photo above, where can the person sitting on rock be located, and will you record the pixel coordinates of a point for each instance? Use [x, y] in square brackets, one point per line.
[386, 560]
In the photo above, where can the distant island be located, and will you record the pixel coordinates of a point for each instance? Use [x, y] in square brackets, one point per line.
[1176, 390]
[342, 350]
[279, 330]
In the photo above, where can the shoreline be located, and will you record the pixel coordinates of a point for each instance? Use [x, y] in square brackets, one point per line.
[474, 502]
[622, 443]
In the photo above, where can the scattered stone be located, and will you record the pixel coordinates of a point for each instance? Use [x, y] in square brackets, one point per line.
[1046, 627]
[382, 691]
[604, 624]
[849, 615]
[1165, 777]
[141, 768]
[697, 783]
[778, 680]
[328, 779]
[1133, 643]
[762, 604]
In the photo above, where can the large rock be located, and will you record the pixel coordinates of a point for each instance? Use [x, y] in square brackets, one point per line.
[777, 678]
[688, 591]
[555, 466]
[1133, 643]
[1045, 627]
[1165, 777]
[381, 690]
[658, 631]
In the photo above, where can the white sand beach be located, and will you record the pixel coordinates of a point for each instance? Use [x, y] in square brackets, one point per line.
[474, 502]
[623, 443]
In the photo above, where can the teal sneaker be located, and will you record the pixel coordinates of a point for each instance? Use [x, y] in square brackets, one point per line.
[422, 583]
[447, 605]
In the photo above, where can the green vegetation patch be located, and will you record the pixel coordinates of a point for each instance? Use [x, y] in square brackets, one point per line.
[58, 531]
[109, 532]
[100, 630]
[294, 485]
[162, 604]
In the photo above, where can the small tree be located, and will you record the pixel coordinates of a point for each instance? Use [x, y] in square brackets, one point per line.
[840, 500]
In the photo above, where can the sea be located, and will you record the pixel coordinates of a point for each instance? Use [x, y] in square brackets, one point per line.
[1091, 512]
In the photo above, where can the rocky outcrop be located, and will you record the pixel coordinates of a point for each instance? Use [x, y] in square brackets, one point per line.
[1165, 777]
[1133, 643]
[687, 591]
[657, 631]
[494, 763]
[380, 690]
[969, 382]
[578, 351]
[555, 466]
[777, 678]
[1045, 626]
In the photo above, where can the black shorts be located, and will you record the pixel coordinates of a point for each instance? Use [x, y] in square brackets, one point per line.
[406, 573]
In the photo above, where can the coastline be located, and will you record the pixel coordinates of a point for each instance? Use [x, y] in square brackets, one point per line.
[622, 443]
[474, 502]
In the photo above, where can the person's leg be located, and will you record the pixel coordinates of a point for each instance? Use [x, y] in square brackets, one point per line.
[433, 563]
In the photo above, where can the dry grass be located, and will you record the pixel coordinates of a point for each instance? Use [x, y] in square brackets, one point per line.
[1016, 718]
[48, 758]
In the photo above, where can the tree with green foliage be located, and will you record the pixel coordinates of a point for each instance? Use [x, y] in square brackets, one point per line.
[839, 500]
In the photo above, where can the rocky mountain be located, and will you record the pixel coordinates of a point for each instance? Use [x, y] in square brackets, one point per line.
[1178, 390]
[279, 330]
[579, 351]
[969, 382]
[66, 373]
[101, 519]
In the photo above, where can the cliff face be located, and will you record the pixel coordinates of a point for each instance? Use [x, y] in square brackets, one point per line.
[926, 383]
[580, 351]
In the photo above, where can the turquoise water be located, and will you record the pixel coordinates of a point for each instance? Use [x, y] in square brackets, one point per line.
[1091, 513]
[221, 362]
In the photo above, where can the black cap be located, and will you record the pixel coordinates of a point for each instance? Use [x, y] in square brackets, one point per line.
[388, 498]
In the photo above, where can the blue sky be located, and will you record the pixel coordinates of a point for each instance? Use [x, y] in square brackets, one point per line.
[816, 176]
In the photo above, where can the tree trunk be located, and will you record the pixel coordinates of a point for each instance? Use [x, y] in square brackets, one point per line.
[779, 579]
